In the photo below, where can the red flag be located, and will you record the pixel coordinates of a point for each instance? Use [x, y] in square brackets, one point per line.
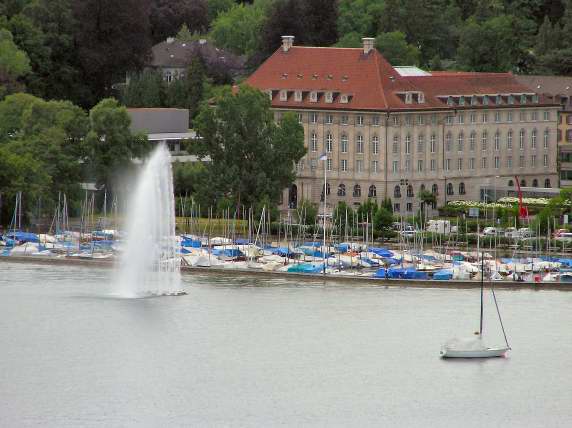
[522, 210]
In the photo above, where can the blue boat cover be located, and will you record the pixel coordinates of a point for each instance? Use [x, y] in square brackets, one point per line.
[23, 236]
[380, 273]
[443, 275]
[307, 268]
[381, 252]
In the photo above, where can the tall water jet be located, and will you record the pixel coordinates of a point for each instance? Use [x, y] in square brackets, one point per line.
[150, 264]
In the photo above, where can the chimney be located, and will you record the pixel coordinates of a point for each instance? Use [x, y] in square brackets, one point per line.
[368, 43]
[287, 43]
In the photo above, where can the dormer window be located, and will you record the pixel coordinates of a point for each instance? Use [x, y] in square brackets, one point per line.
[474, 100]
[408, 98]
[511, 99]
[461, 101]
[298, 96]
[498, 100]
[420, 97]
[523, 99]
[313, 97]
[269, 92]
[485, 100]
[535, 98]
[344, 99]
[329, 97]
[450, 101]
[283, 95]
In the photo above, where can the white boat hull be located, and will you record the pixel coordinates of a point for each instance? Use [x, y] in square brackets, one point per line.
[473, 353]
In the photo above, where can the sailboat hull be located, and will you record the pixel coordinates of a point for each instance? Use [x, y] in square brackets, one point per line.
[473, 353]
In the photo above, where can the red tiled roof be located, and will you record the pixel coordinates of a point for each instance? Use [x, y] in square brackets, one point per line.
[370, 80]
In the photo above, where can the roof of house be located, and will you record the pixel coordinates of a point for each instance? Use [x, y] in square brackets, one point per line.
[557, 87]
[178, 54]
[371, 83]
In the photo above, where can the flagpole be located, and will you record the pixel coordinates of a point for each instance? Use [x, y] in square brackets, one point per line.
[324, 212]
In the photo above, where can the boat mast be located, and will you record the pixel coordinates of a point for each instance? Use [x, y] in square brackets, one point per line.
[482, 279]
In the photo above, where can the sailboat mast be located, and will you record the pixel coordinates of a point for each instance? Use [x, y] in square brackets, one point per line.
[482, 280]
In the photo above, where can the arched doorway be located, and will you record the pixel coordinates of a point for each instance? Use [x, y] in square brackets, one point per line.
[293, 196]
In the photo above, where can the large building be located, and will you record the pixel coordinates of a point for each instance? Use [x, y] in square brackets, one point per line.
[559, 89]
[393, 131]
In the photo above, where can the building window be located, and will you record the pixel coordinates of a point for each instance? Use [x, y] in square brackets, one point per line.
[409, 207]
[509, 162]
[545, 161]
[407, 120]
[396, 207]
[497, 162]
[357, 191]
[509, 116]
[460, 141]
[344, 143]
[497, 140]
[448, 141]
[509, 139]
[447, 164]
[434, 119]
[410, 191]
[407, 165]
[533, 139]
[546, 138]
[547, 183]
[450, 189]
[472, 141]
[407, 144]
[460, 164]
[485, 118]
[375, 144]
[435, 189]
[394, 166]
[314, 142]
[329, 142]
[372, 192]
[523, 182]
[375, 120]
[359, 165]
[521, 135]
[329, 97]
[533, 161]
[396, 120]
[472, 163]
[432, 143]
[374, 166]
[420, 143]
[342, 190]
[344, 165]
[283, 95]
[497, 116]
[395, 147]
[473, 117]
[298, 96]
[461, 118]
[521, 162]
[329, 165]
[299, 115]
[312, 163]
[484, 163]
[522, 116]
[484, 138]
[420, 120]
[433, 164]
[314, 117]
[329, 119]
[359, 144]
[449, 119]
[534, 115]
[344, 119]
[510, 183]
[546, 115]
[313, 97]
[419, 165]
[359, 120]
[461, 188]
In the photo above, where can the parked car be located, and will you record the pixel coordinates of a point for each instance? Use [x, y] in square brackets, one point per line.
[490, 231]
[511, 232]
[525, 232]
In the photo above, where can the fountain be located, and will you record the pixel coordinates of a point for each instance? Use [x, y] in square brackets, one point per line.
[149, 264]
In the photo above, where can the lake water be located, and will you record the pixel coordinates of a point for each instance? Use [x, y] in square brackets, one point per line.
[257, 352]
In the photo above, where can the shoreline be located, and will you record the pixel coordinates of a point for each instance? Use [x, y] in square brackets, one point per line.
[362, 280]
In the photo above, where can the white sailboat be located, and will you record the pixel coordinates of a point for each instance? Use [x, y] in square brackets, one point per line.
[474, 347]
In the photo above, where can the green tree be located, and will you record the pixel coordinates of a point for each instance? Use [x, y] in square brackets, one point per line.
[361, 17]
[350, 40]
[14, 63]
[307, 212]
[395, 49]
[188, 178]
[239, 28]
[382, 223]
[251, 157]
[426, 198]
[146, 89]
[367, 210]
[110, 145]
[497, 44]
[167, 16]
[218, 6]
[545, 40]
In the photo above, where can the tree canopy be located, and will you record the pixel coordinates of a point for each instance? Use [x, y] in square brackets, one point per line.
[251, 156]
